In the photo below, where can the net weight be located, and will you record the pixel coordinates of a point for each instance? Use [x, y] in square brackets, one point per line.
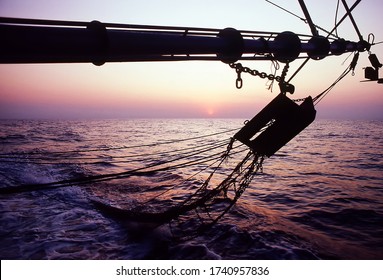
[235, 270]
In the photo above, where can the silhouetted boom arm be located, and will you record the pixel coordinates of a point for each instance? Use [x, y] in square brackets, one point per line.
[44, 41]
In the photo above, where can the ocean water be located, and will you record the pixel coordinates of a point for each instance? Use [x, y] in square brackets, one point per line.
[319, 197]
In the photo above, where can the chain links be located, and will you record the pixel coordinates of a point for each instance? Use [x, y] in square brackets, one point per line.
[239, 69]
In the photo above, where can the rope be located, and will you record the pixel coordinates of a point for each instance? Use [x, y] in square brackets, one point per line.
[336, 17]
[350, 68]
[186, 180]
[50, 160]
[220, 160]
[203, 198]
[146, 170]
[131, 147]
[303, 19]
[320, 96]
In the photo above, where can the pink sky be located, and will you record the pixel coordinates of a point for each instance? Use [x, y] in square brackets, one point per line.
[183, 89]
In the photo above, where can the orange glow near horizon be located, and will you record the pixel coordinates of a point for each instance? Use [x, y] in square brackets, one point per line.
[210, 112]
[183, 89]
[119, 89]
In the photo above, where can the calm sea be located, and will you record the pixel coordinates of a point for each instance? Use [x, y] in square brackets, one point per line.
[319, 197]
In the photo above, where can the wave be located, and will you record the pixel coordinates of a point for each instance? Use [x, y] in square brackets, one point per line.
[320, 192]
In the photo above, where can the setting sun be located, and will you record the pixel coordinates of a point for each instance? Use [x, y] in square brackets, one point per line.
[210, 112]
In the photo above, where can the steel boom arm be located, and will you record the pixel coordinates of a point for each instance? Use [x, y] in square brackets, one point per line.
[42, 41]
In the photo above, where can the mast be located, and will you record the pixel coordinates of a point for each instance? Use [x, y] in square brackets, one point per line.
[310, 22]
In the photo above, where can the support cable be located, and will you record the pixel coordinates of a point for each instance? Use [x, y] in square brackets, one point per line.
[58, 160]
[329, 34]
[130, 147]
[336, 17]
[350, 68]
[141, 171]
[352, 20]
[309, 21]
[343, 18]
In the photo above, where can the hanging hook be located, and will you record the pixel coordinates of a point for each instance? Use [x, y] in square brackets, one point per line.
[239, 81]
[371, 38]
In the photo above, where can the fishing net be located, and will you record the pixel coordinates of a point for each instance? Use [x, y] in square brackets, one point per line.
[280, 121]
[227, 172]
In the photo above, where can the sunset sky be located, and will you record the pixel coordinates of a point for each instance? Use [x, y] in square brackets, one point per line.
[186, 89]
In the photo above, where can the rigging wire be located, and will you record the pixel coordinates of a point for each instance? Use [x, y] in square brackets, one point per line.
[219, 160]
[131, 147]
[352, 20]
[343, 18]
[141, 171]
[101, 159]
[336, 17]
[304, 20]
[329, 34]
[181, 183]
[320, 97]
[287, 11]
[273, 67]
[350, 68]
[154, 166]
[197, 199]
[204, 198]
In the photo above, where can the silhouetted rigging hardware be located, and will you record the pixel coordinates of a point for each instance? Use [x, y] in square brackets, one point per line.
[372, 73]
[305, 20]
[50, 41]
[45, 41]
[284, 86]
[322, 43]
[309, 21]
[284, 120]
[352, 19]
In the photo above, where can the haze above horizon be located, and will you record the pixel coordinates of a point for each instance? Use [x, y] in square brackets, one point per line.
[186, 89]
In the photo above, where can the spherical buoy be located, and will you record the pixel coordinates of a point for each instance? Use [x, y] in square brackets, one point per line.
[338, 47]
[320, 47]
[288, 47]
[233, 45]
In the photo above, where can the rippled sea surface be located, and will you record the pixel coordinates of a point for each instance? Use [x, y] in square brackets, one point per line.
[319, 197]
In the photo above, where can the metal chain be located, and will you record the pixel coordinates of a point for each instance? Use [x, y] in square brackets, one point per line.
[239, 69]
[284, 73]
[284, 86]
